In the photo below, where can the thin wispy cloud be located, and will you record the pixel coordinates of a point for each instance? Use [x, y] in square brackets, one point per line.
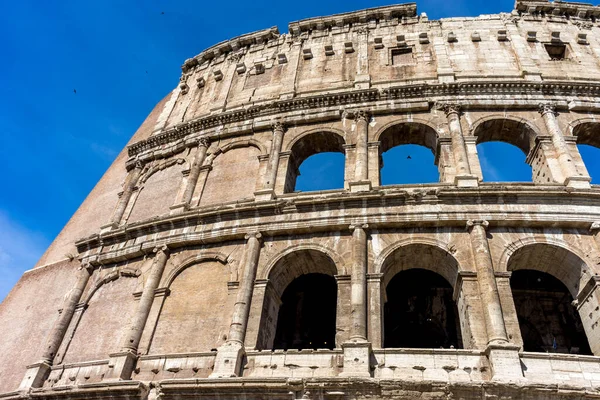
[20, 248]
[490, 173]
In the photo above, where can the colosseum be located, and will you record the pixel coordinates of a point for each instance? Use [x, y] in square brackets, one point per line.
[196, 269]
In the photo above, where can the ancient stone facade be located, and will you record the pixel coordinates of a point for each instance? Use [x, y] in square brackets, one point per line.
[191, 269]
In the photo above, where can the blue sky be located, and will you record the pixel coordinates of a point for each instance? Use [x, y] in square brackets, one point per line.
[121, 57]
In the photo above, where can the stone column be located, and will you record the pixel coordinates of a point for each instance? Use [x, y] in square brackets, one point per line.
[464, 177]
[357, 350]
[37, 373]
[203, 146]
[361, 181]
[190, 182]
[130, 187]
[503, 356]
[572, 178]
[121, 364]
[268, 192]
[228, 362]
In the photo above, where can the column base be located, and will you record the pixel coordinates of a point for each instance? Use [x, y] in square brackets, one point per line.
[108, 227]
[264, 195]
[505, 362]
[578, 182]
[120, 366]
[178, 208]
[35, 376]
[466, 181]
[359, 186]
[357, 359]
[362, 81]
[228, 363]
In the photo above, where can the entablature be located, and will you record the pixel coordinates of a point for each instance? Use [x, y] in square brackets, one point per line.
[418, 97]
[422, 206]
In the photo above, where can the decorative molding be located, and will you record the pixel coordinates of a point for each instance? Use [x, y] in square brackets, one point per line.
[404, 92]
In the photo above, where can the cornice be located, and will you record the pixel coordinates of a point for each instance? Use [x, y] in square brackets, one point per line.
[429, 92]
[422, 206]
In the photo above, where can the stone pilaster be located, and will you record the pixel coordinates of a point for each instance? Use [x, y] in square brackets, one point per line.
[268, 191]
[192, 179]
[572, 178]
[121, 364]
[128, 190]
[463, 177]
[228, 362]
[363, 79]
[503, 356]
[357, 350]
[37, 373]
[361, 181]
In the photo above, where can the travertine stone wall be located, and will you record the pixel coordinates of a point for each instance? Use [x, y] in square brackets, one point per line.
[173, 268]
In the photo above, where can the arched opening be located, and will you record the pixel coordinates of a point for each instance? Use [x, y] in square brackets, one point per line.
[321, 172]
[420, 311]
[300, 303]
[408, 154]
[500, 160]
[548, 320]
[545, 280]
[307, 314]
[588, 144]
[503, 162]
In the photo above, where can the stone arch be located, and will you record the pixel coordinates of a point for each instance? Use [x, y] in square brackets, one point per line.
[198, 299]
[424, 242]
[232, 172]
[419, 280]
[419, 124]
[286, 270]
[337, 260]
[583, 129]
[106, 311]
[192, 260]
[157, 190]
[309, 132]
[309, 143]
[152, 169]
[539, 249]
[236, 145]
[535, 264]
[522, 133]
[411, 132]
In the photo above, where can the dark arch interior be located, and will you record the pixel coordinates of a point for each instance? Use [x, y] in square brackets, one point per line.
[315, 143]
[588, 133]
[307, 314]
[420, 312]
[548, 320]
[506, 130]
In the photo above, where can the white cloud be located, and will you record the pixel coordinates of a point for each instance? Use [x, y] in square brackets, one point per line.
[490, 173]
[20, 248]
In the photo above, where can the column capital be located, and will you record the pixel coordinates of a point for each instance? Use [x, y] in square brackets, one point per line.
[253, 235]
[279, 126]
[595, 227]
[204, 142]
[362, 226]
[161, 249]
[448, 108]
[477, 222]
[357, 115]
[545, 108]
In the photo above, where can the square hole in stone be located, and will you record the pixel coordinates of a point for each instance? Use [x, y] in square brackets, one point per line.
[402, 56]
[556, 51]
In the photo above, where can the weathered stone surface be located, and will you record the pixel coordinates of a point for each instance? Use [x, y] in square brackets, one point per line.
[195, 232]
